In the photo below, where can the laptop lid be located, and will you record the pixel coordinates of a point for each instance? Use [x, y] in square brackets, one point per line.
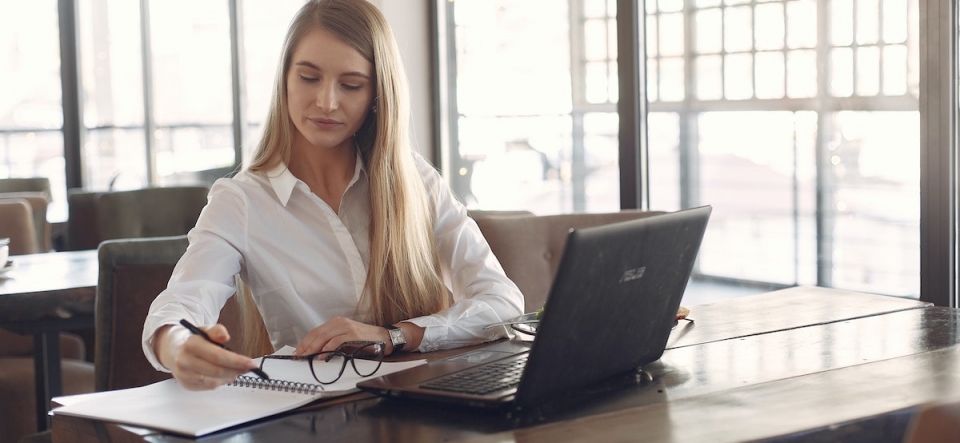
[610, 310]
[613, 302]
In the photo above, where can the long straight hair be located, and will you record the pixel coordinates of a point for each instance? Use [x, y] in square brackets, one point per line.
[403, 276]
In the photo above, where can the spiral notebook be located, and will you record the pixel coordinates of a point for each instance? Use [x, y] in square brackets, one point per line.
[170, 407]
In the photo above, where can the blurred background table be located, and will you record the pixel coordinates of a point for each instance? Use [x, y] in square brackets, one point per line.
[42, 295]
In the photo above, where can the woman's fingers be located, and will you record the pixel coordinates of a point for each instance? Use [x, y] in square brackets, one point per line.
[318, 338]
[218, 333]
[203, 365]
[332, 334]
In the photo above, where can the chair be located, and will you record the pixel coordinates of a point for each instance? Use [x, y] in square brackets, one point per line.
[529, 247]
[31, 184]
[16, 223]
[150, 212]
[132, 273]
[38, 202]
[18, 407]
[82, 232]
[935, 423]
[36, 191]
[17, 371]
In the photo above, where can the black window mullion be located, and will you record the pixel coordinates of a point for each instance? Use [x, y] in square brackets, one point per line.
[631, 106]
[70, 87]
[938, 150]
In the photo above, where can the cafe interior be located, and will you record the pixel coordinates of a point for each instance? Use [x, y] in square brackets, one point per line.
[823, 303]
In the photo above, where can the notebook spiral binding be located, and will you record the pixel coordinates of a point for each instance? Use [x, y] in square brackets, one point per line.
[277, 385]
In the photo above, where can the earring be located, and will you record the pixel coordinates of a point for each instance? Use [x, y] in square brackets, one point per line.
[374, 107]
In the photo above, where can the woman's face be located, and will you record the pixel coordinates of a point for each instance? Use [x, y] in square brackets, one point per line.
[330, 89]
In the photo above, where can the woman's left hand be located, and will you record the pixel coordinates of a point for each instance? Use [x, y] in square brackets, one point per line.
[332, 334]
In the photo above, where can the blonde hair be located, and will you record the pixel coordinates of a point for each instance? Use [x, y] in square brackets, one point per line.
[403, 276]
[256, 340]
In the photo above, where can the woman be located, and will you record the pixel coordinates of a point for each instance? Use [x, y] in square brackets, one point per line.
[338, 228]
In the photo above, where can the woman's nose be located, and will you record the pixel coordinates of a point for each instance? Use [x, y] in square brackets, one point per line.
[327, 98]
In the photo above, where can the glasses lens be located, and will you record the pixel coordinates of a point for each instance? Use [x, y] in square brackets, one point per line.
[367, 358]
[328, 366]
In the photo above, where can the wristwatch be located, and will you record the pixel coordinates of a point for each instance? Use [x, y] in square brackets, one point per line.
[396, 337]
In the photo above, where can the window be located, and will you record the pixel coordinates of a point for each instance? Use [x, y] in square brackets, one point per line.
[797, 120]
[161, 102]
[191, 88]
[814, 174]
[264, 28]
[160, 89]
[111, 61]
[157, 91]
[535, 123]
[31, 120]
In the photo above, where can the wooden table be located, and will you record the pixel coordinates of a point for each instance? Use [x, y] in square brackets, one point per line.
[801, 361]
[43, 295]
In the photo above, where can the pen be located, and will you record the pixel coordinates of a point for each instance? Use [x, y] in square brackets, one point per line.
[195, 330]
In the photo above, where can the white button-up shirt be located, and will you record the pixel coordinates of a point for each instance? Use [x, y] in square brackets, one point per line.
[306, 264]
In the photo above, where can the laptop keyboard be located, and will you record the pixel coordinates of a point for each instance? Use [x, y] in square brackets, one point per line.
[482, 379]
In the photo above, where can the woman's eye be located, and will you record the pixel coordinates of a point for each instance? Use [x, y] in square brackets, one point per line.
[351, 87]
[308, 79]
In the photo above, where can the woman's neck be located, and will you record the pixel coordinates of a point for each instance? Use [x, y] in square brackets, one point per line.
[326, 171]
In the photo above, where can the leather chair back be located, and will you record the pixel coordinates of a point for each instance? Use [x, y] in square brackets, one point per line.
[38, 202]
[149, 212]
[37, 192]
[29, 184]
[16, 223]
[132, 273]
[82, 231]
[529, 247]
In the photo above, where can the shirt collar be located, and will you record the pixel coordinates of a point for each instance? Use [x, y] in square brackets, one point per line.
[283, 181]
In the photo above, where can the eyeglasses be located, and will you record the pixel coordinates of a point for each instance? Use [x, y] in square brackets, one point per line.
[368, 353]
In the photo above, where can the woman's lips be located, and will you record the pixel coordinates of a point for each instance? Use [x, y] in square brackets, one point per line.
[324, 123]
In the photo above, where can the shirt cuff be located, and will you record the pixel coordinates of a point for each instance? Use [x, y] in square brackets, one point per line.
[178, 336]
[441, 332]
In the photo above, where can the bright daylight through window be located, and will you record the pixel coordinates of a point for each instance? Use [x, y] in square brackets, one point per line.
[796, 119]
[155, 88]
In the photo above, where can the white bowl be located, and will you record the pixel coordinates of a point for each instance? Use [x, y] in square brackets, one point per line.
[4, 252]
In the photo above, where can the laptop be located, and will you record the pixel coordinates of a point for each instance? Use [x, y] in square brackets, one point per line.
[610, 310]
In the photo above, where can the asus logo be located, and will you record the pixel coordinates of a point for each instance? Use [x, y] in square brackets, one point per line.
[632, 274]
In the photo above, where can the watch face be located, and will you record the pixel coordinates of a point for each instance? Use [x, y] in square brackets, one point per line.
[396, 336]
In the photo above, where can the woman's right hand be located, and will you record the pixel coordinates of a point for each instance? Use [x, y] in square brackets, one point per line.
[196, 363]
